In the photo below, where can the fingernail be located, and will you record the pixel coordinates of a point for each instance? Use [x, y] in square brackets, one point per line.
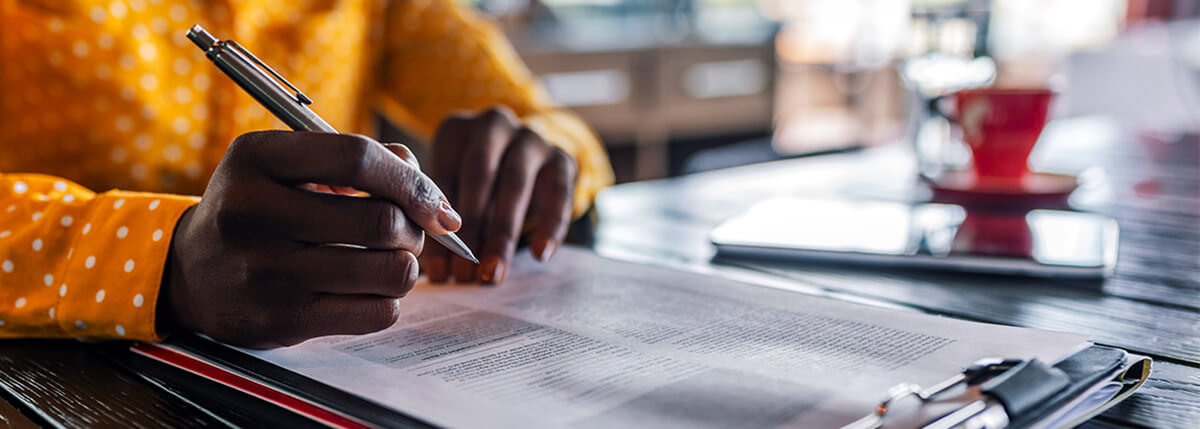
[548, 250]
[492, 271]
[499, 273]
[449, 218]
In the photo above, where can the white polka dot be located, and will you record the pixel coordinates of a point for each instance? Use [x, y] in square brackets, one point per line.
[79, 48]
[5, 233]
[122, 232]
[66, 220]
[182, 66]
[20, 302]
[55, 25]
[149, 81]
[142, 142]
[127, 62]
[37, 244]
[98, 14]
[183, 95]
[124, 124]
[129, 265]
[192, 169]
[37, 216]
[11, 208]
[159, 25]
[137, 5]
[7, 266]
[68, 198]
[62, 290]
[157, 235]
[60, 186]
[51, 312]
[140, 31]
[87, 227]
[120, 330]
[105, 41]
[173, 153]
[139, 171]
[70, 252]
[41, 197]
[118, 155]
[154, 204]
[201, 82]
[118, 203]
[137, 300]
[20, 188]
[147, 51]
[178, 12]
[79, 324]
[127, 92]
[48, 279]
[100, 296]
[89, 262]
[196, 140]
[181, 125]
[117, 9]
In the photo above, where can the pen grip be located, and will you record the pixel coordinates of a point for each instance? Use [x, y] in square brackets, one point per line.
[279, 102]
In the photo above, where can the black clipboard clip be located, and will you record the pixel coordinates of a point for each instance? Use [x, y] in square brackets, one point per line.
[1010, 387]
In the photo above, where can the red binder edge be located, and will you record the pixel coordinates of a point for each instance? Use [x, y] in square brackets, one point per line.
[194, 365]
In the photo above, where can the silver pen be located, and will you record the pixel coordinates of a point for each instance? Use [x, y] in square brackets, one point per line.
[282, 99]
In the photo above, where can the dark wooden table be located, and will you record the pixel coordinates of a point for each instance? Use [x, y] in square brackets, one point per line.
[1151, 184]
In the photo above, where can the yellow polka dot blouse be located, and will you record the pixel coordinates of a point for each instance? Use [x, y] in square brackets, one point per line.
[109, 94]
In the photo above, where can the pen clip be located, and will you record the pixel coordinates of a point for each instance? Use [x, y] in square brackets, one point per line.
[300, 97]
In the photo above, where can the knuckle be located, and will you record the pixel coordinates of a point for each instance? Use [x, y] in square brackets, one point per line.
[409, 270]
[561, 157]
[499, 116]
[422, 194]
[515, 174]
[233, 213]
[528, 137]
[389, 221]
[356, 156]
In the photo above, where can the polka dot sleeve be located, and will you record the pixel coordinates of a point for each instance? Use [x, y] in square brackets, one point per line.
[440, 57]
[78, 264]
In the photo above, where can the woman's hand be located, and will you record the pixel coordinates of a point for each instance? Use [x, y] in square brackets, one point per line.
[502, 177]
[264, 261]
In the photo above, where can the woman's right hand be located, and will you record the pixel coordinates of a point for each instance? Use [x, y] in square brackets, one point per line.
[262, 261]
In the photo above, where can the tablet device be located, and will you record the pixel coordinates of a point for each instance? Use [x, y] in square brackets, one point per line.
[1037, 242]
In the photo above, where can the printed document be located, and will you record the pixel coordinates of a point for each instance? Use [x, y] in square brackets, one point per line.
[589, 342]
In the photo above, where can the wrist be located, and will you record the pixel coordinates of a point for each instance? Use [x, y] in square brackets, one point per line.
[168, 317]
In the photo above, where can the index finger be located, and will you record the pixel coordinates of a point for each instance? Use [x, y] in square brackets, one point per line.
[355, 161]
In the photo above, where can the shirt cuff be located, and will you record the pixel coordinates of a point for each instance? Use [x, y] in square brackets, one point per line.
[115, 268]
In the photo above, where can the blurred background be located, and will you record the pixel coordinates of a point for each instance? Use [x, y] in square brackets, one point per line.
[679, 86]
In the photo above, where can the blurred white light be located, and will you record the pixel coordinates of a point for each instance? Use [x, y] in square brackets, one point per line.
[725, 79]
[587, 88]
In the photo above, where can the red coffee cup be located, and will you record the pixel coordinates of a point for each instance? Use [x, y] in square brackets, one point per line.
[1001, 127]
